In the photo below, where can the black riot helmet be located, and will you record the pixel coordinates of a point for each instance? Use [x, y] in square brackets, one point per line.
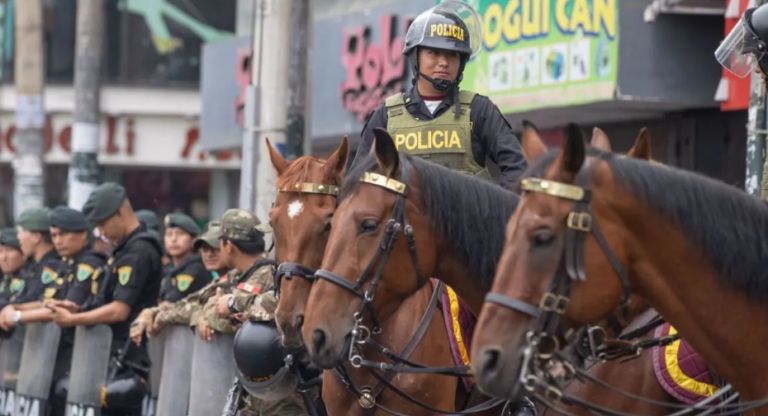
[261, 362]
[745, 46]
[452, 25]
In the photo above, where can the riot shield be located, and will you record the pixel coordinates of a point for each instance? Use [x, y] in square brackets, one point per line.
[155, 348]
[41, 345]
[10, 362]
[213, 369]
[173, 396]
[88, 374]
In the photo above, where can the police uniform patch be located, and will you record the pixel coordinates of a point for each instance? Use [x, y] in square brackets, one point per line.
[49, 293]
[124, 274]
[249, 288]
[17, 285]
[84, 271]
[48, 275]
[184, 281]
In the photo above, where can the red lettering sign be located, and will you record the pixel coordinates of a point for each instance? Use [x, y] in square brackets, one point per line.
[193, 134]
[374, 71]
[243, 78]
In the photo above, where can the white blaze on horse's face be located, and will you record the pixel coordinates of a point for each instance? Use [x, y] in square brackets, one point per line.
[295, 208]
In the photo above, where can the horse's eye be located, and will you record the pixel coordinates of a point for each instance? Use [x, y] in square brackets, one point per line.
[542, 237]
[327, 228]
[368, 226]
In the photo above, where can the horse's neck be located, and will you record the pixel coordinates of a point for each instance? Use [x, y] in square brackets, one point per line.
[451, 272]
[719, 322]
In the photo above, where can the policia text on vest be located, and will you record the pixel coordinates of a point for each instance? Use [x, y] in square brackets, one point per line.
[429, 140]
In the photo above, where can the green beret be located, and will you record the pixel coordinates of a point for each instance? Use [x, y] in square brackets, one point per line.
[35, 220]
[67, 219]
[8, 237]
[104, 202]
[210, 236]
[242, 225]
[183, 221]
[149, 218]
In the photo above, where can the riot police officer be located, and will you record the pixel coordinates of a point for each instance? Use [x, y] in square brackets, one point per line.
[744, 49]
[436, 120]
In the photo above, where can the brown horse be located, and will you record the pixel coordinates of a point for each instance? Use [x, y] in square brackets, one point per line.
[690, 245]
[635, 376]
[301, 221]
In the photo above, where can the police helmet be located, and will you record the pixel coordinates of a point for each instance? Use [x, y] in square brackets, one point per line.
[451, 25]
[261, 364]
[745, 46]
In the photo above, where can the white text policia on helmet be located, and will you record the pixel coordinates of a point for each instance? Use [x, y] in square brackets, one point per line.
[447, 30]
[434, 139]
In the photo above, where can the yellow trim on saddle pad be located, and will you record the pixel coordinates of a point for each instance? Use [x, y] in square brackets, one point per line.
[456, 326]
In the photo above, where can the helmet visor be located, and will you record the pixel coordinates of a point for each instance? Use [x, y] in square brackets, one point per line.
[741, 50]
[464, 11]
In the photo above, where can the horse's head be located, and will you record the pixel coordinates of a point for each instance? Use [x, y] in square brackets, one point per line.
[371, 250]
[542, 271]
[301, 222]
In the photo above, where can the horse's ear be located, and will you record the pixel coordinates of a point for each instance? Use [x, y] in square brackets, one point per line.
[573, 154]
[278, 161]
[600, 140]
[531, 142]
[642, 147]
[335, 164]
[385, 152]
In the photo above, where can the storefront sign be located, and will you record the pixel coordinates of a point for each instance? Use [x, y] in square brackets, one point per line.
[374, 70]
[126, 141]
[545, 53]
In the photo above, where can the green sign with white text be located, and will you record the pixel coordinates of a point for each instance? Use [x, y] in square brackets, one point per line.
[545, 53]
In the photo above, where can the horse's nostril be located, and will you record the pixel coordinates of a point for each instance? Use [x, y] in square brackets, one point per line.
[318, 340]
[299, 321]
[489, 361]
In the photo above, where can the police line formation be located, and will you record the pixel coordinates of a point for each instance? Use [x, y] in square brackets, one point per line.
[382, 268]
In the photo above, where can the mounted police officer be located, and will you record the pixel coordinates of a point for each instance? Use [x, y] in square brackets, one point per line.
[744, 49]
[435, 120]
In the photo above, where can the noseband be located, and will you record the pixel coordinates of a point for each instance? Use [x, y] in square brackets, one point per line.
[580, 222]
[397, 220]
[288, 270]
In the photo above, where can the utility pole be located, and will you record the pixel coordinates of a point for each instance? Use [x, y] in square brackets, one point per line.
[298, 142]
[83, 168]
[268, 119]
[28, 163]
[755, 137]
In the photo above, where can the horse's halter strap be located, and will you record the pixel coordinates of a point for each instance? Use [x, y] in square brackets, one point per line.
[288, 270]
[580, 222]
[375, 267]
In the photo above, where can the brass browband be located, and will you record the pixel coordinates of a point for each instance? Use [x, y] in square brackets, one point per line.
[312, 188]
[561, 190]
[384, 182]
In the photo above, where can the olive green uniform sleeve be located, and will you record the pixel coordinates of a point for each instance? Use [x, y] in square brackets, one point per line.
[225, 326]
[254, 297]
[182, 311]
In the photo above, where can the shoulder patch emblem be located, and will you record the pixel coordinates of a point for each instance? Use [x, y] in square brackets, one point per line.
[49, 293]
[84, 271]
[17, 285]
[48, 275]
[184, 281]
[249, 288]
[124, 274]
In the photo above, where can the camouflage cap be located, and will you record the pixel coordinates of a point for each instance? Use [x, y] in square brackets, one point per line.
[35, 220]
[183, 221]
[242, 225]
[210, 235]
[105, 200]
[9, 237]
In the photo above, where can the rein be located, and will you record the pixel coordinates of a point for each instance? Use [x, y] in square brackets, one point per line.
[534, 373]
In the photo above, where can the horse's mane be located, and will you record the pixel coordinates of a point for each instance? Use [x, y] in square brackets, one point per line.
[729, 226]
[298, 171]
[469, 213]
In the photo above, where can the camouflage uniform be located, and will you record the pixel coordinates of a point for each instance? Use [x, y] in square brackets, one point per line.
[254, 297]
